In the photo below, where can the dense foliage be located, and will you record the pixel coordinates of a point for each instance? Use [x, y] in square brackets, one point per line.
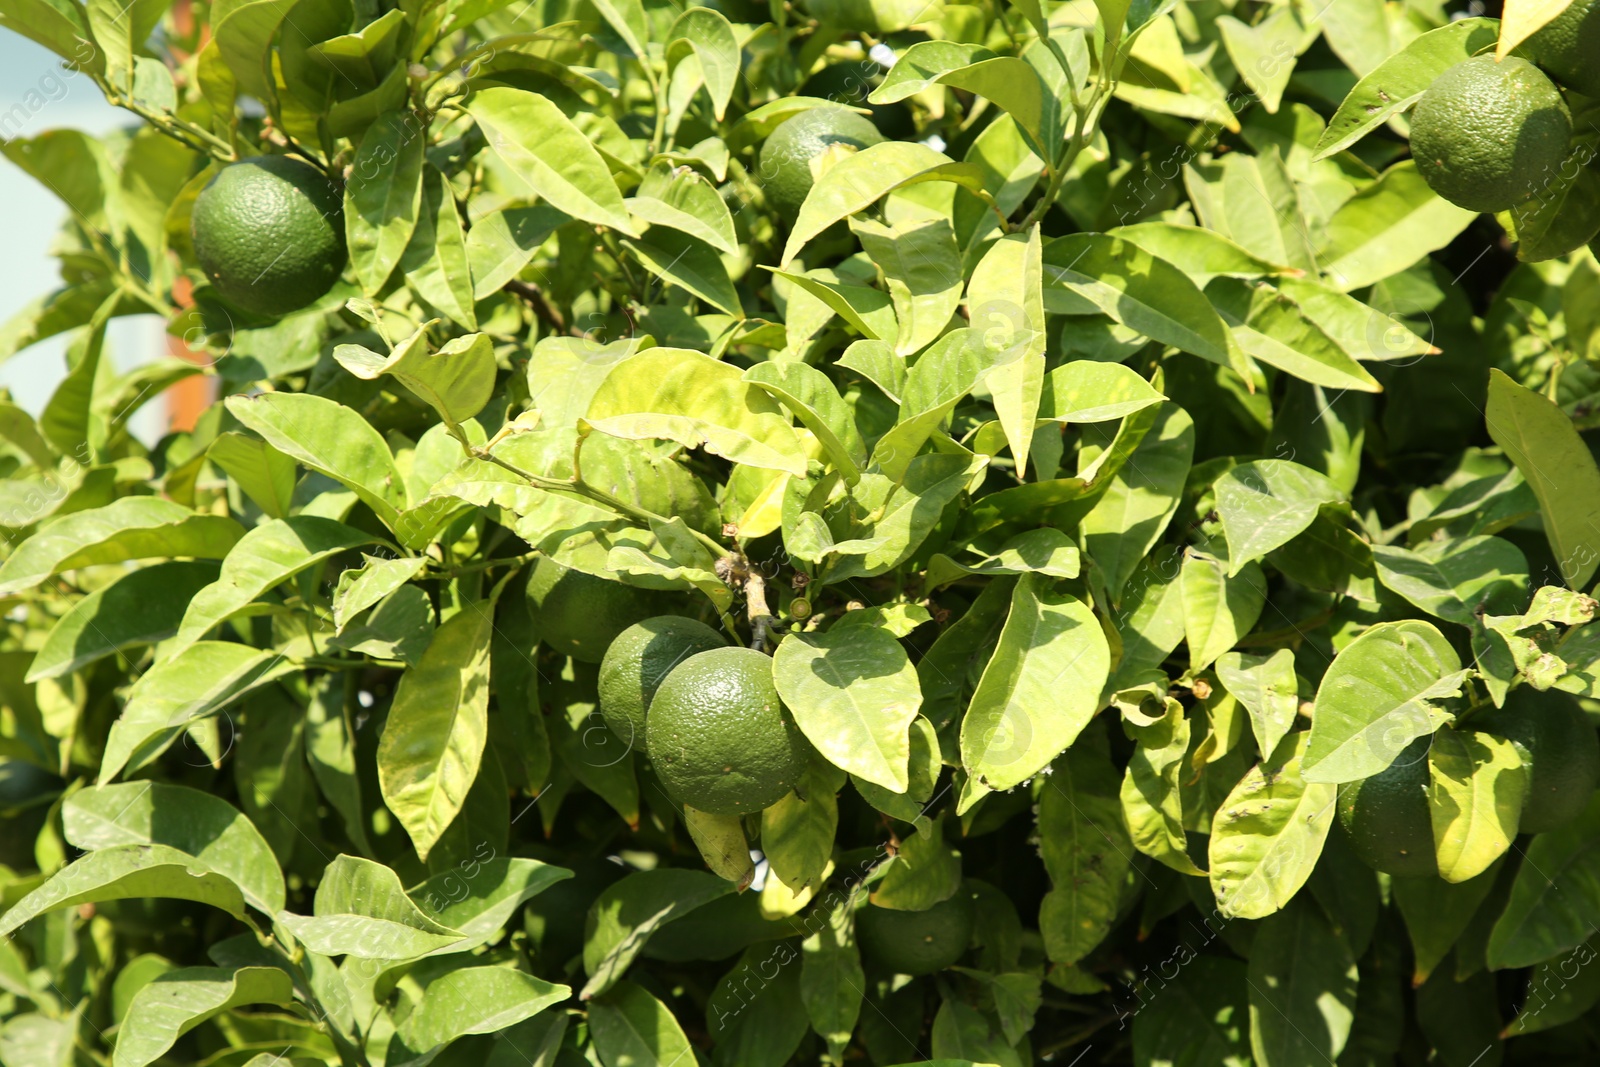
[1114, 464]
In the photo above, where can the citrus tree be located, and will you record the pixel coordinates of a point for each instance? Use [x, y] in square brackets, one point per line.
[849, 532]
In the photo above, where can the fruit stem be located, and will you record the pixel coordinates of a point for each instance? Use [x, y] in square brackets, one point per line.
[757, 611]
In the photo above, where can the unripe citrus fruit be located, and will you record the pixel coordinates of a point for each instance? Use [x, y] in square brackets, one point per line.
[850, 82]
[638, 661]
[1560, 750]
[269, 233]
[792, 155]
[1487, 135]
[1386, 816]
[1568, 47]
[579, 615]
[719, 738]
[916, 942]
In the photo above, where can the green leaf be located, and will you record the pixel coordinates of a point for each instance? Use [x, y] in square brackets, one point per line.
[436, 262]
[1138, 503]
[1151, 801]
[707, 32]
[400, 627]
[262, 473]
[1457, 579]
[244, 31]
[831, 978]
[268, 555]
[479, 899]
[1086, 851]
[1150, 619]
[922, 269]
[1052, 654]
[270, 772]
[187, 688]
[925, 871]
[1254, 201]
[124, 872]
[853, 693]
[961, 651]
[331, 439]
[925, 768]
[1542, 441]
[631, 1028]
[541, 146]
[135, 527]
[961, 1034]
[438, 724]
[877, 16]
[867, 310]
[1380, 694]
[141, 608]
[1218, 609]
[1046, 550]
[455, 381]
[364, 56]
[1087, 390]
[1263, 52]
[1267, 504]
[178, 1001]
[383, 196]
[1268, 834]
[858, 181]
[359, 588]
[797, 833]
[722, 844]
[688, 262]
[1302, 979]
[1560, 990]
[627, 18]
[1551, 908]
[1198, 1021]
[1096, 272]
[330, 751]
[1476, 786]
[1267, 687]
[1010, 83]
[500, 245]
[766, 1029]
[474, 1000]
[679, 198]
[908, 514]
[1200, 253]
[18, 427]
[1400, 80]
[1005, 299]
[625, 914]
[30, 1039]
[1010, 170]
[59, 25]
[1271, 327]
[1387, 227]
[939, 380]
[1362, 331]
[189, 820]
[121, 30]
[1437, 913]
[690, 398]
[811, 395]
[360, 910]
